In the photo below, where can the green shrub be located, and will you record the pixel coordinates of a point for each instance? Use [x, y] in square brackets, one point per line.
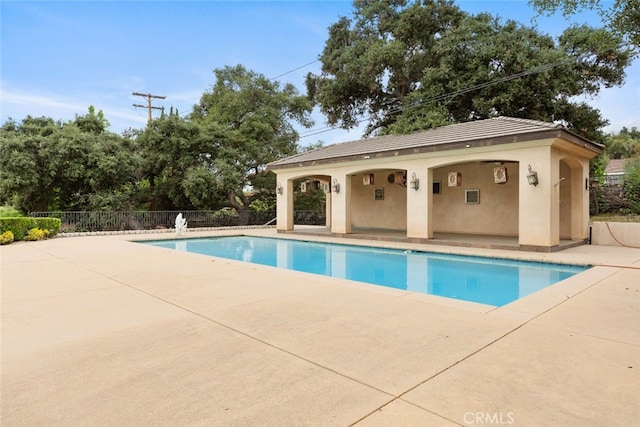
[35, 234]
[632, 185]
[9, 211]
[6, 237]
[52, 225]
[20, 226]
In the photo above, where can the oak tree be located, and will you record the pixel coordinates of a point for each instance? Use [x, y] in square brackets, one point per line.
[407, 65]
[249, 121]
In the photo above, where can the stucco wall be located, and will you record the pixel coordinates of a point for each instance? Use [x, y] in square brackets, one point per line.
[497, 212]
[388, 213]
[616, 234]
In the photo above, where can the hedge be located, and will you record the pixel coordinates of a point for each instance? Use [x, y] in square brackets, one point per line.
[20, 226]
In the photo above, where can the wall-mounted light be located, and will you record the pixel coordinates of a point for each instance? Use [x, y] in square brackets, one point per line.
[415, 182]
[279, 188]
[336, 186]
[532, 177]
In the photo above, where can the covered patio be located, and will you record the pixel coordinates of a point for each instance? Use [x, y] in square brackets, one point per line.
[504, 183]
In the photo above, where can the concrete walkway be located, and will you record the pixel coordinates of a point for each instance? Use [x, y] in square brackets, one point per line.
[101, 331]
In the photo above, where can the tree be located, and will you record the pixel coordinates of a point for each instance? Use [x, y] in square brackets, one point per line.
[621, 16]
[177, 162]
[24, 177]
[249, 122]
[48, 165]
[416, 65]
[92, 122]
[624, 144]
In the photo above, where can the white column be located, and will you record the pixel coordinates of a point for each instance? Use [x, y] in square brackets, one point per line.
[341, 204]
[284, 204]
[419, 204]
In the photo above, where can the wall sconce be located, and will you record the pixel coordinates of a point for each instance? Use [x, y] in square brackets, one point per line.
[279, 188]
[336, 186]
[532, 177]
[415, 182]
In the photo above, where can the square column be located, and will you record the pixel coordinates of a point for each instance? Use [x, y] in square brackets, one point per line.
[539, 205]
[284, 204]
[340, 204]
[420, 204]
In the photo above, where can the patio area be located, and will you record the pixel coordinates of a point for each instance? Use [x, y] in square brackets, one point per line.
[104, 331]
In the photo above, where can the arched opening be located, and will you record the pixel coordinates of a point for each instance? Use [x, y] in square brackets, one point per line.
[571, 192]
[311, 200]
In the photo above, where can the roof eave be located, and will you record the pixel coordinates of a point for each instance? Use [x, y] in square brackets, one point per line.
[464, 144]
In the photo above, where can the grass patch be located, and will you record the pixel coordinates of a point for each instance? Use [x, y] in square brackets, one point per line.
[616, 217]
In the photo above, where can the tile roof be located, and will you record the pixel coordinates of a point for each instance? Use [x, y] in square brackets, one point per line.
[615, 166]
[498, 130]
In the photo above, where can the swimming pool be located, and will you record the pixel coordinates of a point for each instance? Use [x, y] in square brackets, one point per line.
[491, 281]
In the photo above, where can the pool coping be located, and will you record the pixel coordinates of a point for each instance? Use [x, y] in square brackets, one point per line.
[523, 309]
[442, 300]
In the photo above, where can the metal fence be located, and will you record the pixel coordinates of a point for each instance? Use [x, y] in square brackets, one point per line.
[89, 221]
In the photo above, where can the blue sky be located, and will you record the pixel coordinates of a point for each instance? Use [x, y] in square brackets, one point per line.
[57, 58]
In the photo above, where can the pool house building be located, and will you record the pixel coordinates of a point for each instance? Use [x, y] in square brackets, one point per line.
[504, 177]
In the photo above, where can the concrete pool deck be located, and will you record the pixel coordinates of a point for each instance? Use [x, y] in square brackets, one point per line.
[101, 331]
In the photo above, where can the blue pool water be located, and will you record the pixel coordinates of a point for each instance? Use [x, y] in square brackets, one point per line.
[491, 281]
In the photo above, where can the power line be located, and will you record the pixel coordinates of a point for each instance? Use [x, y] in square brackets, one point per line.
[149, 106]
[295, 69]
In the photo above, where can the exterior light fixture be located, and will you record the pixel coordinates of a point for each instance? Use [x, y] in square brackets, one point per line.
[336, 186]
[415, 182]
[532, 177]
[279, 188]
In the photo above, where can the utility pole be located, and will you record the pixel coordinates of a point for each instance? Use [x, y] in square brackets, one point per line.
[149, 106]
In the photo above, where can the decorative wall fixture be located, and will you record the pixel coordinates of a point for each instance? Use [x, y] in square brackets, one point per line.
[279, 188]
[378, 194]
[367, 179]
[436, 187]
[326, 187]
[303, 187]
[454, 179]
[336, 186]
[472, 196]
[532, 177]
[401, 178]
[415, 182]
[500, 175]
